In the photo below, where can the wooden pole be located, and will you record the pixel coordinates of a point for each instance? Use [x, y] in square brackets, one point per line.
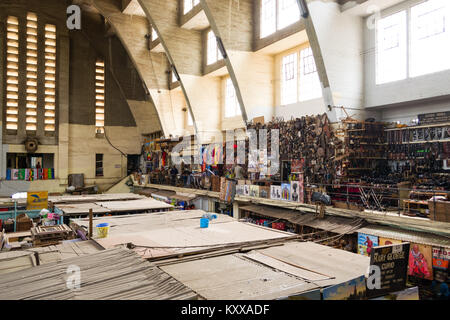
[90, 223]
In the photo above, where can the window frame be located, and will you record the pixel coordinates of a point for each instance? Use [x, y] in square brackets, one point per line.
[277, 14]
[237, 112]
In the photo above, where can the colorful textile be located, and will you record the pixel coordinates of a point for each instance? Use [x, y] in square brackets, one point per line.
[14, 174]
[40, 175]
[45, 174]
[27, 174]
[8, 174]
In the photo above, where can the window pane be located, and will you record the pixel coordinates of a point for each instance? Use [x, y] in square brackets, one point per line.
[391, 48]
[232, 108]
[268, 17]
[289, 78]
[288, 13]
[430, 37]
[212, 48]
[190, 122]
[310, 87]
[187, 6]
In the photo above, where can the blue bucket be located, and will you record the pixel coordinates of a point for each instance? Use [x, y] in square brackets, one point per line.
[204, 223]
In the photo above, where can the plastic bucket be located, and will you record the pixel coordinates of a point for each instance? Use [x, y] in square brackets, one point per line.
[204, 223]
[102, 230]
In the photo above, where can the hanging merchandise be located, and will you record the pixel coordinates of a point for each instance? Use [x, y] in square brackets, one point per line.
[8, 174]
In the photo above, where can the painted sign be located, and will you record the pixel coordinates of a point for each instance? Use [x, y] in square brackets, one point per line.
[420, 261]
[37, 200]
[440, 258]
[392, 261]
[351, 290]
[366, 243]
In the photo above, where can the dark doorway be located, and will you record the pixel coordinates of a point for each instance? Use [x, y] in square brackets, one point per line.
[133, 163]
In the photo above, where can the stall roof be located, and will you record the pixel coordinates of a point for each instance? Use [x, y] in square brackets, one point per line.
[167, 234]
[76, 209]
[271, 273]
[406, 235]
[17, 260]
[117, 274]
[134, 205]
[332, 224]
[94, 198]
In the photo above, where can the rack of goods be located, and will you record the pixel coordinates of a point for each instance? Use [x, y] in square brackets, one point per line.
[365, 150]
[420, 154]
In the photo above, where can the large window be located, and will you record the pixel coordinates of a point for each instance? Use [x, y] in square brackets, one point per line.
[290, 79]
[12, 73]
[430, 37]
[213, 52]
[35, 83]
[100, 96]
[299, 77]
[232, 108]
[414, 41]
[189, 5]
[277, 15]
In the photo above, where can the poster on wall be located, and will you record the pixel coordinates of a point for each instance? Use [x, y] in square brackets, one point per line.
[441, 257]
[246, 190]
[286, 191]
[240, 190]
[297, 165]
[351, 290]
[420, 261]
[254, 191]
[295, 191]
[392, 261]
[275, 192]
[387, 241]
[366, 243]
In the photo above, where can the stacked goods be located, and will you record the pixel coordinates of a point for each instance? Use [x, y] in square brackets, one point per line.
[310, 138]
[49, 235]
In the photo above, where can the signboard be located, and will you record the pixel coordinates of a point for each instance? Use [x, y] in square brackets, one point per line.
[351, 290]
[420, 261]
[437, 117]
[392, 261]
[407, 294]
[366, 243]
[440, 258]
[37, 200]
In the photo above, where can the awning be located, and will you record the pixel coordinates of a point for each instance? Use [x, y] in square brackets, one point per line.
[406, 235]
[332, 224]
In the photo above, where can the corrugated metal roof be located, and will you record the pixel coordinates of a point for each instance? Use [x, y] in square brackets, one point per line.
[406, 235]
[333, 224]
[117, 274]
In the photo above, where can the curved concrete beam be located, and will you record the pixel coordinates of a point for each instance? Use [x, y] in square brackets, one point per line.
[152, 67]
[251, 72]
[184, 51]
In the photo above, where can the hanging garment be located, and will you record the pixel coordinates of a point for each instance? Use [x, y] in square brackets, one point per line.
[14, 174]
[27, 175]
[51, 174]
[8, 174]
[21, 174]
[45, 174]
[40, 175]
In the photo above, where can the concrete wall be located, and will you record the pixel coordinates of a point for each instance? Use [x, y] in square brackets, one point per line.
[126, 101]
